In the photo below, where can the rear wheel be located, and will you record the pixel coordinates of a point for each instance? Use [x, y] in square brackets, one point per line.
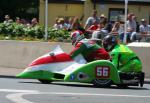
[102, 82]
[44, 81]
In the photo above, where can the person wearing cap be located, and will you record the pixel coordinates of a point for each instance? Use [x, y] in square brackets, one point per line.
[144, 29]
[7, 20]
[62, 24]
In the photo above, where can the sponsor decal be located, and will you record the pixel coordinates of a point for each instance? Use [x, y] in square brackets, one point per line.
[102, 72]
[72, 77]
[82, 76]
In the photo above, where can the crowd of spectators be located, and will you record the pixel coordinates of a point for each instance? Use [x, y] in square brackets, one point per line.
[99, 27]
[18, 20]
[95, 26]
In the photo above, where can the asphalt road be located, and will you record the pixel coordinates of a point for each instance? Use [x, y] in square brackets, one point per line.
[14, 90]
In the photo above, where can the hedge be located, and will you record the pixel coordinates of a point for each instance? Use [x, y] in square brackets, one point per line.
[14, 30]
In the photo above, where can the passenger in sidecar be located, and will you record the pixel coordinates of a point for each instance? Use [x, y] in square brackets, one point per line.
[125, 60]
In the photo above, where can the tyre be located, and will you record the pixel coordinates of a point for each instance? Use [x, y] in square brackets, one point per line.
[44, 81]
[102, 82]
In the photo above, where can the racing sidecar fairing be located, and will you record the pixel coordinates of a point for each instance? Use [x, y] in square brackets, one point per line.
[57, 65]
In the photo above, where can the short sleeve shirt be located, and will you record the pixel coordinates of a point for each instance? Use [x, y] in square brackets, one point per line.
[144, 28]
[131, 25]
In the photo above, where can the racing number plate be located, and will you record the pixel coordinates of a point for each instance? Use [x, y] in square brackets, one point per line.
[102, 72]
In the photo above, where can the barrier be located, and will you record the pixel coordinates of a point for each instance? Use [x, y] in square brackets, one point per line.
[143, 51]
[18, 54]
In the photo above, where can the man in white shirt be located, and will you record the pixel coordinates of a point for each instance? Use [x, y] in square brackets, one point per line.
[144, 30]
[131, 27]
[144, 27]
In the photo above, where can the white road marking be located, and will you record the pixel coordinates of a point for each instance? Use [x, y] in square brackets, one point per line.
[16, 96]
[93, 94]
[16, 90]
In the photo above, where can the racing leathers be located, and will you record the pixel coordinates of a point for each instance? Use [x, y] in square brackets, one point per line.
[90, 50]
[125, 59]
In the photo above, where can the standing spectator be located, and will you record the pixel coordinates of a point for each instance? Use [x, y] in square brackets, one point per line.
[7, 20]
[91, 19]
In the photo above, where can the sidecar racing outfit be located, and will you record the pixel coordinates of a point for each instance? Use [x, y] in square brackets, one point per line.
[90, 50]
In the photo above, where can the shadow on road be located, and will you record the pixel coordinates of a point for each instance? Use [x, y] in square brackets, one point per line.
[84, 85]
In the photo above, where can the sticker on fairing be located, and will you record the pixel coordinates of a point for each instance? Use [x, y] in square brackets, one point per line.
[72, 77]
[82, 76]
[102, 72]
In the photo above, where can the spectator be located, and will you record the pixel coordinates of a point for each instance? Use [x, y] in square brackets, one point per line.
[93, 27]
[62, 24]
[7, 20]
[91, 19]
[107, 27]
[131, 27]
[57, 24]
[76, 25]
[34, 22]
[17, 20]
[137, 23]
[117, 29]
[70, 21]
[144, 28]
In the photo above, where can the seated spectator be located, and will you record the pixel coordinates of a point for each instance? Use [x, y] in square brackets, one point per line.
[131, 29]
[76, 25]
[90, 20]
[34, 22]
[107, 25]
[70, 21]
[144, 29]
[62, 24]
[100, 32]
[17, 20]
[57, 24]
[117, 29]
[93, 27]
[7, 20]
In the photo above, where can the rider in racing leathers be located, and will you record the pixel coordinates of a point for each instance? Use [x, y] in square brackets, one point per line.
[88, 48]
[124, 58]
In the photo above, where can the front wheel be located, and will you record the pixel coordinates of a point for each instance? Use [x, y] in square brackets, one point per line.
[102, 82]
[44, 81]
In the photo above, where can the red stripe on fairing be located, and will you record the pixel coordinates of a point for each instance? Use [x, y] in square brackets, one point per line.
[51, 59]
